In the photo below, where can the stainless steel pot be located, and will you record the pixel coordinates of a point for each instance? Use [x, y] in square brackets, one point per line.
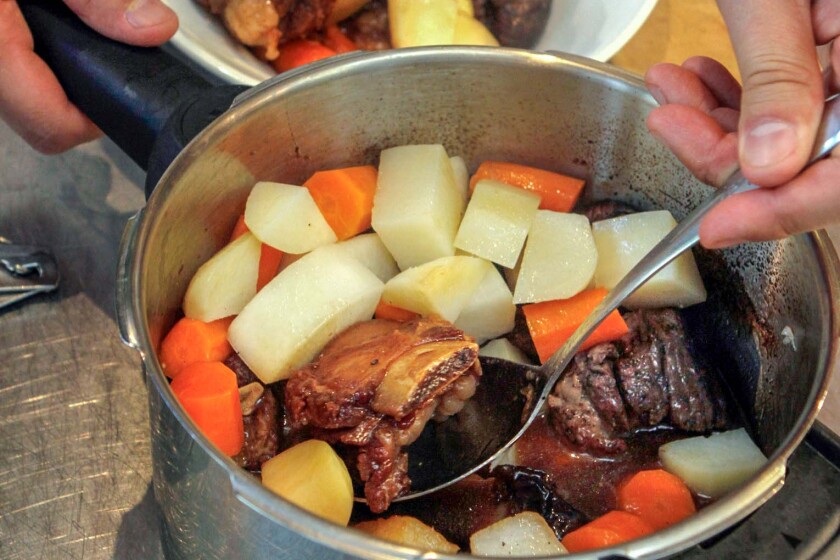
[778, 341]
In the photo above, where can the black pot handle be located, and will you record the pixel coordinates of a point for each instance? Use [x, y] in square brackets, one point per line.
[144, 99]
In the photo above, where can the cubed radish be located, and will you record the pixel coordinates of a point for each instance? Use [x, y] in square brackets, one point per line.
[503, 349]
[524, 534]
[462, 176]
[286, 217]
[559, 258]
[497, 221]
[490, 311]
[369, 250]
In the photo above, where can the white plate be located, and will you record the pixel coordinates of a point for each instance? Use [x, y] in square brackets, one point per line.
[592, 28]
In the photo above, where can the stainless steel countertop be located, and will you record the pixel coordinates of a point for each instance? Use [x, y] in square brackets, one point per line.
[75, 468]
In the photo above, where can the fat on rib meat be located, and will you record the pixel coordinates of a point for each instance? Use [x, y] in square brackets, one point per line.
[375, 386]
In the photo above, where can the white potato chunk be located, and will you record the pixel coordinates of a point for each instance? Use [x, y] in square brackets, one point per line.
[462, 176]
[522, 535]
[408, 531]
[470, 31]
[312, 476]
[559, 258]
[441, 287]
[369, 250]
[713, 465]
[497, 221]
[416, 23]
[417, 206]
[291, 319]
[286, 217]
[490, 311]
[226, 282]
[623, 241]
[504, 349]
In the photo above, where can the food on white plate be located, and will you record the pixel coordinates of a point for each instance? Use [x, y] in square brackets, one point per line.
[713, 465]
[623, 241]
[504, 349]
[286, 218]
[369, 250]
[522, 535]
[408, 531]
[496, 222]
[311, 475]
[224, 284]
[417, 23]
[442, 287]
[417, 207]
[490, 311]
[374, 388]
[559, 258]
[470, 31]
[291, 319]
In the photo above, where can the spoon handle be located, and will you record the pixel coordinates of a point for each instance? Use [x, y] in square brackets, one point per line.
[684, 236]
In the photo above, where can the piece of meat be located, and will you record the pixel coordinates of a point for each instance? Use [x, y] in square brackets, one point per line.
[368, 28]
[606, 209]
[375, 386]
[646, 379]
[515, 23]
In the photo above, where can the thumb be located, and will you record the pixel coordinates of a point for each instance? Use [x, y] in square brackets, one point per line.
[143, 23]
[783, 91]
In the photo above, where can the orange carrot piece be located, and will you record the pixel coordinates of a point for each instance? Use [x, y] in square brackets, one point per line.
[345, 198]
[191, 341]
[336, 40]
[551, 323]
[658, 497]
[388, 311]
[610, 529]
[209, 393]
[269, 265]
[558, 192]
[299, 52]
[240, 228]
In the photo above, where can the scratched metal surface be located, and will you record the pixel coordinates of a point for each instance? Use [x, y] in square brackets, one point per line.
[75, 467]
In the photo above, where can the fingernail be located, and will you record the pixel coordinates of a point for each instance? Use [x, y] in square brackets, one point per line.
[768, 143]
[146, 13]
[658, 95]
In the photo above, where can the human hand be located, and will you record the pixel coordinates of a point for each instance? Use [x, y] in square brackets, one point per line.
[768, 128]
[31, 100]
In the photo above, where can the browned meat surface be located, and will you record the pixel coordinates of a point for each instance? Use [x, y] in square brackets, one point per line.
[606, 209]
[368, 28]
[244, 375]
[515, 23]
[648, 378]
[375, 386]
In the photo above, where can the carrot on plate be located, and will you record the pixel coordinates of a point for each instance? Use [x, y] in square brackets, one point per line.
[551, 323]
[191, 341]
[209, 393]
[559, 192]
[388, 311]
[336, 40]
[299, 52]
[612, 528]
[345, 198]
[658, 497]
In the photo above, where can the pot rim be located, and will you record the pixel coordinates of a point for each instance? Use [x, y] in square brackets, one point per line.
[706, 523]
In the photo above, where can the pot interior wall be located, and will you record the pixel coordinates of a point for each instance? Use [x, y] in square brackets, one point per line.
[532, 109]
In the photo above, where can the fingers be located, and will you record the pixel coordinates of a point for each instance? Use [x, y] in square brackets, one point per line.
[136, 22]
[825, 18]
[717, 79]
[783, 92]
[808, 202]
[707, 149]
[31, 99]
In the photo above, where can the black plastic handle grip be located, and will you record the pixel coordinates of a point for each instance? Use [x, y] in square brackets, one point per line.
[138, 96]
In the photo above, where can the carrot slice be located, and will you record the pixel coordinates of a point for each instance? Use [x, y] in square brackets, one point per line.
[658, 497]
[551, 323]
[240, 228]
[191, 341]
[269, 265]
[611, 528]
[345, 198]
[336, 40]
[559, 192]
[209, 394]
[299, 52]
[388, 311]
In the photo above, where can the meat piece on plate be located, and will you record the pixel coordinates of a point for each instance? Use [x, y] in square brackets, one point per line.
[646, 379]
[515, 23]
[368, 28]
[375, 386]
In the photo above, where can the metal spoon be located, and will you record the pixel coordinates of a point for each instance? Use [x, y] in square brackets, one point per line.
[504, 405]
